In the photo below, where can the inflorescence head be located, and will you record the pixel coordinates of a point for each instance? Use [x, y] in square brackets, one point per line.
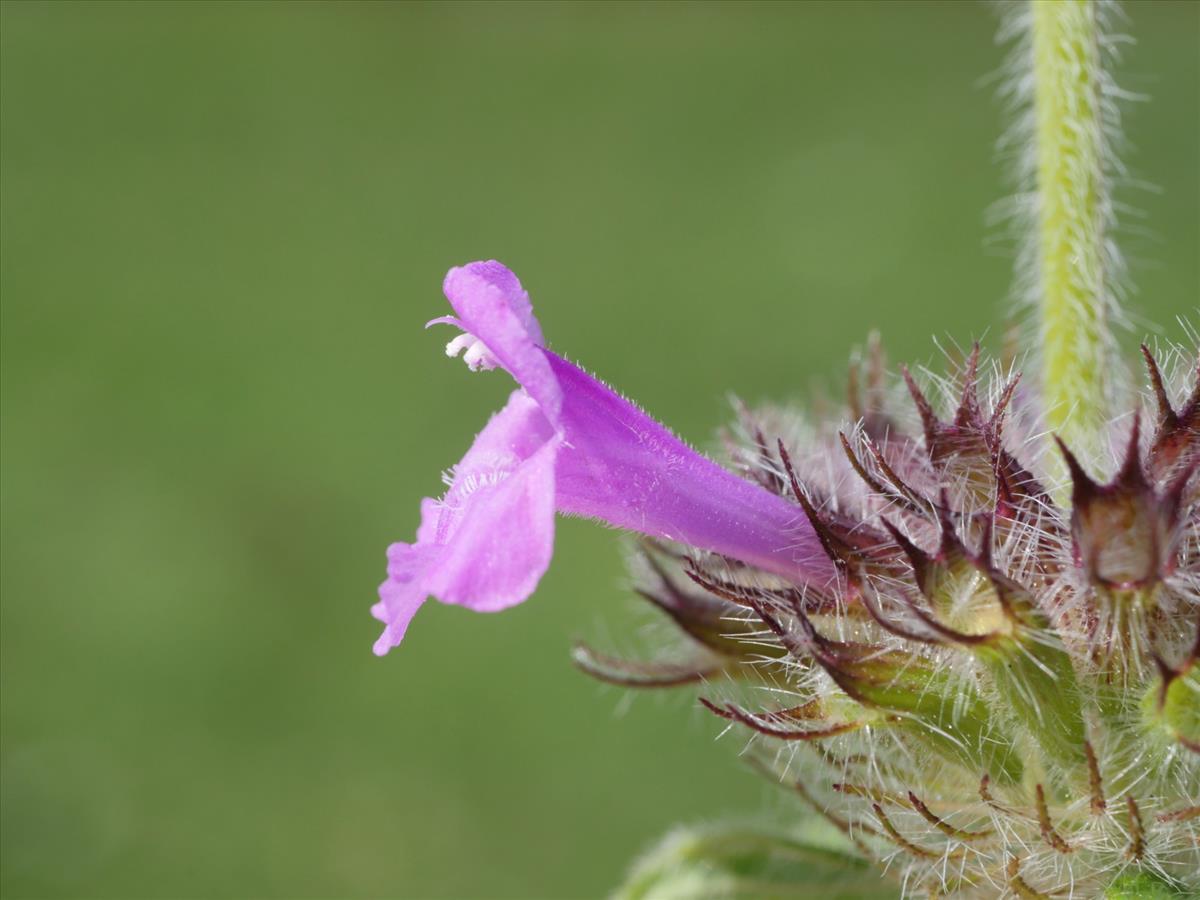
[1000, 691]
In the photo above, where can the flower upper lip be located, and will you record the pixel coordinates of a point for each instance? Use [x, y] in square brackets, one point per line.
[491, 305]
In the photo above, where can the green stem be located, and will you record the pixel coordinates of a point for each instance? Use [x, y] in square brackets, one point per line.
[1073, 216]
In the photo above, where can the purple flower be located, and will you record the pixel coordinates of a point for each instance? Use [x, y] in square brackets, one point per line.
[565, 442]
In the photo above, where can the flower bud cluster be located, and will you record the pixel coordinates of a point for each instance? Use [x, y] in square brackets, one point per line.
[999, 693]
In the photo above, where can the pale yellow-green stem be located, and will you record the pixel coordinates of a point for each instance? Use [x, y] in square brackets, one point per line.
[1074, 294]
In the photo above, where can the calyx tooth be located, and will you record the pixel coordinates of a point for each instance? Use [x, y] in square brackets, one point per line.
[1176, 442]
[1125, 533]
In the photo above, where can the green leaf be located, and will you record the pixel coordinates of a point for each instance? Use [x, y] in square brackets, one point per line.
[739, 862]
[1142, 886]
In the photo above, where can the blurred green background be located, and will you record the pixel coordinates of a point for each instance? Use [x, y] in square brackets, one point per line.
[223, 226]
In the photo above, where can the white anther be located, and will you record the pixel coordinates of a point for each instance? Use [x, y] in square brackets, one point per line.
[460, 343]
[479, 357]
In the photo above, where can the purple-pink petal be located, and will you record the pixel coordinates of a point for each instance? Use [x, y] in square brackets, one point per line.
[622, 467]
[566, 442]
[497, 520]
[488, 542]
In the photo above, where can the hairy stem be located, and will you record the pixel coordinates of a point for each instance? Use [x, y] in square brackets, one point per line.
[1075, 297]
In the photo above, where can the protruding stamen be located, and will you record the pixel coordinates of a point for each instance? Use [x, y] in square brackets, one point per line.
[477, 355]
[459, 344]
